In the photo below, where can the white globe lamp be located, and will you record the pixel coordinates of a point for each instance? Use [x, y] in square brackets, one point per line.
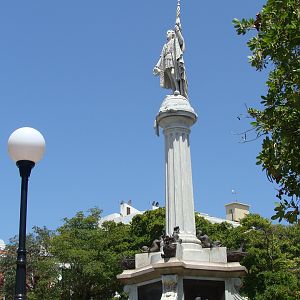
[26, 144]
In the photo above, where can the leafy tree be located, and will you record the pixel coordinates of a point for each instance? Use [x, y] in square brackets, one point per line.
[276, 46]
[273, 251]
[91, 255]
[79, 261]
[85, 258]
[147, 227]
[42, 268]
[223, 232]
[273, 255]
[272, 260]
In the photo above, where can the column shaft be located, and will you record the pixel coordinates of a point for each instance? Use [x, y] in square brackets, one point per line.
[179, 187]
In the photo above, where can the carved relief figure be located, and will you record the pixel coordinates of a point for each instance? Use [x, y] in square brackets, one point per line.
[170, 287]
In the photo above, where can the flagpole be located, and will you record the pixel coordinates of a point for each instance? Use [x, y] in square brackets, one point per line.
[177, 76]
[178, 9]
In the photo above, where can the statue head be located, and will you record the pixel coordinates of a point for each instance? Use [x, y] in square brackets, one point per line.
[170, 34]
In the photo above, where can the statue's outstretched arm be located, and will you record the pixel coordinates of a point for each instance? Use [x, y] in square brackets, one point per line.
[180, 37]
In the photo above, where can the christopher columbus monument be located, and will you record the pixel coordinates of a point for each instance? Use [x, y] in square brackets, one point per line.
[180, 265]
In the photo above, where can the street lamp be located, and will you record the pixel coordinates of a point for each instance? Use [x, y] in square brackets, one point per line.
[26, 146]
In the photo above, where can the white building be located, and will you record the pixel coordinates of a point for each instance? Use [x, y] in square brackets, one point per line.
[235, 211]
[2, 245]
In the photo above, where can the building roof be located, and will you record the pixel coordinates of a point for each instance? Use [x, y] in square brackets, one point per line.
[122, 217]
[216, 220]
[237, 203]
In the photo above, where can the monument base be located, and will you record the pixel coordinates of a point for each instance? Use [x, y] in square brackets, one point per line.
[192, 273]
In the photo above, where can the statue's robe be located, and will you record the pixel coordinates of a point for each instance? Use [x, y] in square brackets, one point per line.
[172, 57]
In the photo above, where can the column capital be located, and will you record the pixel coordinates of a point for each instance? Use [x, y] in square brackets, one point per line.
[176, 111]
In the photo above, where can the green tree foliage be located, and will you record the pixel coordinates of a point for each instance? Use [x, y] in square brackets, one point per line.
[147, 227]
[223, 232]
[91, 255]
[42, 268]
[273, 259]
[276, 46]
[79, 261]
[85, 258]
[273, 251]
[273, 255]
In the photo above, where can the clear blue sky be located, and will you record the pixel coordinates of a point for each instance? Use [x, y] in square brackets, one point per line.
[81, 73]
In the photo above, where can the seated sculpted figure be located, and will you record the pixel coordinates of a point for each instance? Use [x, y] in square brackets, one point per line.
[170, 66]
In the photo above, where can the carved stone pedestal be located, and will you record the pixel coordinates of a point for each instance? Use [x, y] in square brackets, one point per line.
[176, 278]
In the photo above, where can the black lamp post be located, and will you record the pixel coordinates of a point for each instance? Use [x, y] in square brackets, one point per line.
[26, 146]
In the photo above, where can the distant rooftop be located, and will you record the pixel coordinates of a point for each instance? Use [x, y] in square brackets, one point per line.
[237, 203]
[127, 212]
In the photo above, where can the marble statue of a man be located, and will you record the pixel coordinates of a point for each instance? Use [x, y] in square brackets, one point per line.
[170, 65]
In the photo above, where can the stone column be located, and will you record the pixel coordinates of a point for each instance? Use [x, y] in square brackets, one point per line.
[176, 116]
